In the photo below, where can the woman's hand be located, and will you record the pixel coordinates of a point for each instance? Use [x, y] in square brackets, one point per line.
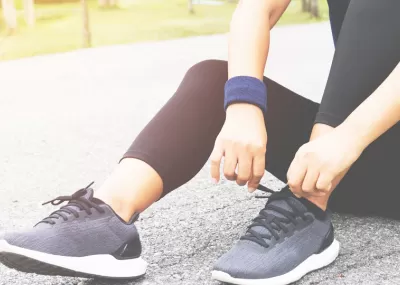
[243, 141]
[320, 164]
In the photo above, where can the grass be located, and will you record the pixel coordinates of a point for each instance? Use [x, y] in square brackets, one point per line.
[59, 26]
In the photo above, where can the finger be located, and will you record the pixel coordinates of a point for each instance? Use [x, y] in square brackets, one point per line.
[311, 195]
[230, 164]
[216, 157]
[325, 183]
[310, 180]
[250, 179]
[258, 170]
[244, 169]
[319, 193]
[296, 175]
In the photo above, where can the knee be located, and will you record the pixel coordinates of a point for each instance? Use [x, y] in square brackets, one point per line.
[208, 72]
[204, 83]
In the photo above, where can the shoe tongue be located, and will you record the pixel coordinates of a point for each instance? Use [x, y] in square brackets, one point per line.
[283, 204]
[271, 214]
[281, 200]
[88, 193]
[84, 193]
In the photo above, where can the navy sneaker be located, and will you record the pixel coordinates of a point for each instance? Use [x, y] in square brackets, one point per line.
[288, 239]
[84, 238]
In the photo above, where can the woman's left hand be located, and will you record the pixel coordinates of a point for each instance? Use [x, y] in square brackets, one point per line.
[320, 164]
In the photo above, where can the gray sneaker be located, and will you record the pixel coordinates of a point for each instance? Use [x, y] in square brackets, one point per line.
[288, 239]
[84, 238]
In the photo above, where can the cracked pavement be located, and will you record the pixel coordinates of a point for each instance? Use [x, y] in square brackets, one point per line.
[66, 119]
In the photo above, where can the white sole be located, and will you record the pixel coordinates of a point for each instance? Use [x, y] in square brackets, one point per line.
[101, 265]
[312, 263]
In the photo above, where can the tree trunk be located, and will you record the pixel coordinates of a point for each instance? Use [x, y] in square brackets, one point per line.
[190, 6]
[10, 14]
[304, 6]
[86, 28]
[309, 5]
[29, 12]
[314, 9]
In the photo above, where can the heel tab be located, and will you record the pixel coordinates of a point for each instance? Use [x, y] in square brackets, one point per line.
[129, 250]
[134, 218]
[328, 240]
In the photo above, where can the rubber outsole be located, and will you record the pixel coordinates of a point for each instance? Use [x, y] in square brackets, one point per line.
[314, 262]
[28, 265]
[26, 262]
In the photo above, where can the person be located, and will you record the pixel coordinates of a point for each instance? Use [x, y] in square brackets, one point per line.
[343, 151]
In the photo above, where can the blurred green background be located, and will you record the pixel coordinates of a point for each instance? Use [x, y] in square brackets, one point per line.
[59, 26]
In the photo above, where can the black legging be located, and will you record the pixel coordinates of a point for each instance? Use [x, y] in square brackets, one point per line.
[180, 138]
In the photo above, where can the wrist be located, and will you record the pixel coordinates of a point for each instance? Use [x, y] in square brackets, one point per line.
[240, 108]
[246, 89]
[354, 136]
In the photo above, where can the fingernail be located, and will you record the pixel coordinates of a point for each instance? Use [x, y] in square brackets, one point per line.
[214, 181]
[252, 189]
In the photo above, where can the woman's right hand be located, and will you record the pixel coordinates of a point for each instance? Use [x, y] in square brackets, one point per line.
[243, 142]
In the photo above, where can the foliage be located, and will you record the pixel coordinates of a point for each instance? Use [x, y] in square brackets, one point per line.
[59, 26]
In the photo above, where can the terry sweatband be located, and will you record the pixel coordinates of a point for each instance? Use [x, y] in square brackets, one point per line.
[246, 89]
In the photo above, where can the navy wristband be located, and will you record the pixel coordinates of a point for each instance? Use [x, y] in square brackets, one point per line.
[246, 89]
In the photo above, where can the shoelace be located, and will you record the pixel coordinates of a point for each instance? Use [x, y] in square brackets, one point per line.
[265, 190]
[77, 200]
[275, 224]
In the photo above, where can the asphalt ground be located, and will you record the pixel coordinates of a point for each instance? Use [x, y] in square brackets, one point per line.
[65, 120]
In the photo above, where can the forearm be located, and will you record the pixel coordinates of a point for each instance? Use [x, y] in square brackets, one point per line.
[249, 35]
[376, 114]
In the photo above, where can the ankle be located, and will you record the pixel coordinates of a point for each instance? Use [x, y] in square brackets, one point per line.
[123, 208]
[131, 188]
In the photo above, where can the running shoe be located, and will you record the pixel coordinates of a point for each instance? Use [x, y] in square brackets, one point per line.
[84, 238]
[288, 239]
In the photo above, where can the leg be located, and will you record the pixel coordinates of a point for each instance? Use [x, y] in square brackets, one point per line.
[366, 54]
[289, 119]
[337, 12]
[174, 146]
[290, 237]
[373, 180]
[168, 152]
